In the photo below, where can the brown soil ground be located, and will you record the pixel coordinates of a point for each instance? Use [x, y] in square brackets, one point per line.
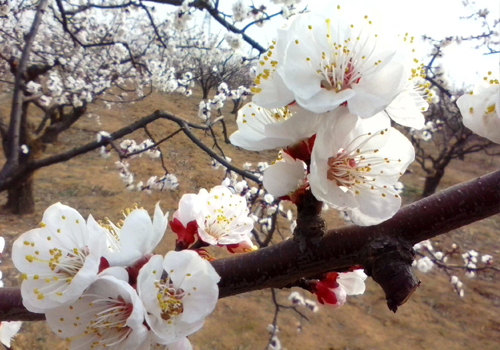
[434, 318]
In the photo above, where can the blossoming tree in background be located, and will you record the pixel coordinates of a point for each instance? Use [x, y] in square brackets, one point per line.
[446, 136]
[327, 93]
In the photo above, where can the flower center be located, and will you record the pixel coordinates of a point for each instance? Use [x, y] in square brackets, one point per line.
[340, 169]
[340, 77]
[70, 263]
[109, 323]
[169, 299]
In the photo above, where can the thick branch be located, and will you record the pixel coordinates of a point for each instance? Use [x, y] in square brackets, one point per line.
[284, 264]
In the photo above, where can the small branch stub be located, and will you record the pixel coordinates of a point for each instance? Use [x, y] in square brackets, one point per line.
[310, 226]
[388, 261]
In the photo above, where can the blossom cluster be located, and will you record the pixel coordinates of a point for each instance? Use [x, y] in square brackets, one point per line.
[430, 257]
[217, 102]
[100, 286]
[326, 92]
[218, 217]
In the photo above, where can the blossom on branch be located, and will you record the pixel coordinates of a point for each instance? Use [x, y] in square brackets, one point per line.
[224, 217]
[60, 259]
[356, 162]
[178, 292]
[109, 315]
[335, 287]
[285, 176]
[137, 237]
[324, 61]
[260, 128]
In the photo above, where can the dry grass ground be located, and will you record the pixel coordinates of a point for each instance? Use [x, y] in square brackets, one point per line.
[434, 318]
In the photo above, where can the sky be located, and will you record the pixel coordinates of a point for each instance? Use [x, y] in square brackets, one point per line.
[463, 64]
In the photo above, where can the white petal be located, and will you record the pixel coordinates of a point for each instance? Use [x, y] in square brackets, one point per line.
[281, 178]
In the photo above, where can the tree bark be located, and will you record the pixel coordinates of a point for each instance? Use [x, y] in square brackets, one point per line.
[432, 182]
[20, 197]
[282, 265]
[205, 90]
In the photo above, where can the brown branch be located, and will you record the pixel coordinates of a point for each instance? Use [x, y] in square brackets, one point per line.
[284, 264]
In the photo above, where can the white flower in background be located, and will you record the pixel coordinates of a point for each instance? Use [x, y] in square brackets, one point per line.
[355, 163]
[240, 186]
[240, 11]
[235, 41]
[268, 198]
[8, 330]
[177, 304]
[137, 237]
[59, 260]
[261, 166]
[24, 149]
[274, 344]
[108, 315]
[311, 305]
[296, 299]
[485, 259]
[4, 11]
[102, 134]
[2, 245]
[427, 244]
[260, 128]
[481, 109]
[33, 87]
[272, 329]
[284, 176]
[425, 264]
[216, 164]
[343, 58]
[224, 218]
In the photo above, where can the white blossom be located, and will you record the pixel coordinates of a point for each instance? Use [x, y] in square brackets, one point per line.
[284, 176]
[321, 61]
[60, 259]
[260, 128]
[137, 236]
[8, 330]
[481, 109]
[425, 264]
[108, 315]
[296, 299]
[355, 163]
[224, 217]
[177, 304]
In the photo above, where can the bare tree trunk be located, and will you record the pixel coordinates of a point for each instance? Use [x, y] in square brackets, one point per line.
[432, 182]
[205, 90]
[20, 197]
